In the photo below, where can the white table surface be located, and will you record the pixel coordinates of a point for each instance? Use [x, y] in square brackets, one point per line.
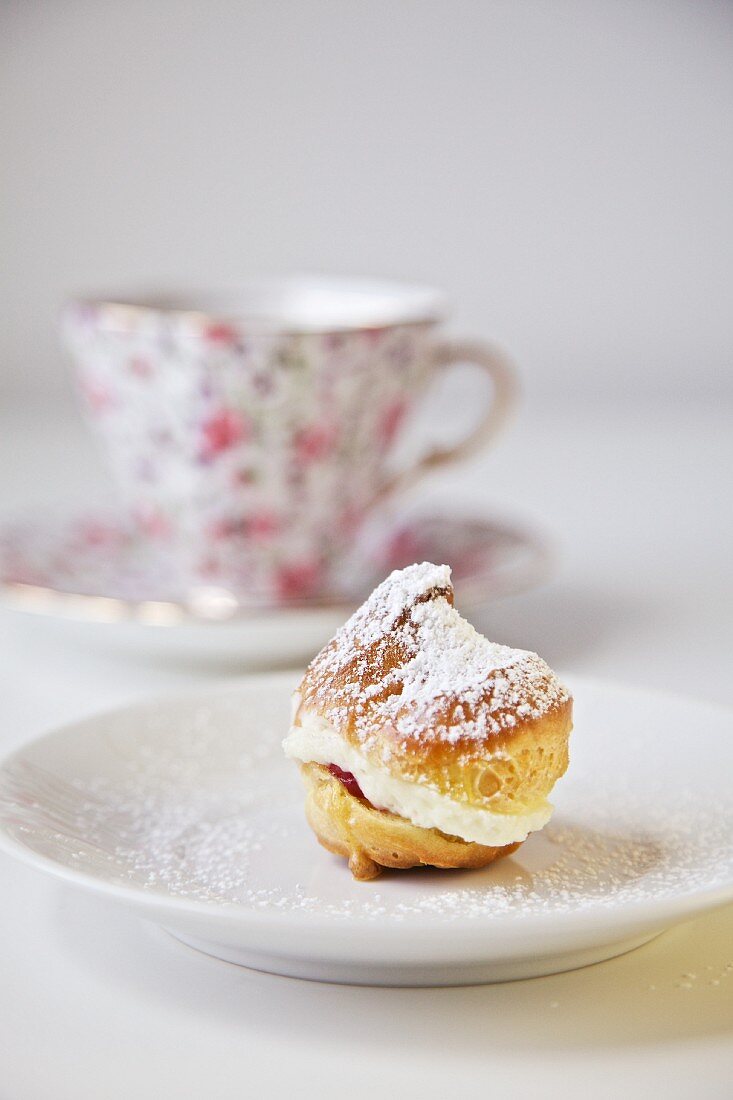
[95, 1004]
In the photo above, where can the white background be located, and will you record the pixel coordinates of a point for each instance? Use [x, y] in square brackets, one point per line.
[562, 168]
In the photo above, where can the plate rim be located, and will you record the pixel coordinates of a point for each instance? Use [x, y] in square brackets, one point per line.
[169, 613]
[675, 908]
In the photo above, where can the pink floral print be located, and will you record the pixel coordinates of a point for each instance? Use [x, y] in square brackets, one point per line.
[221, 432]
[219, 333]
[253, 456]
[391, 422]
[152, 522]
[263, 526]
[297, 581]
[98, 397]
[315, 443]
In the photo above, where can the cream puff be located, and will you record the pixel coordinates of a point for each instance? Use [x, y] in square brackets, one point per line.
[420, 742]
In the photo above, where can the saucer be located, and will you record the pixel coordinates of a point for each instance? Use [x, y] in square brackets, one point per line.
[89, 571]
[185, 811]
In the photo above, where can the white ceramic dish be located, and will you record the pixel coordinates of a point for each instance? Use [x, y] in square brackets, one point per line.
[95, 582]
[186, 812]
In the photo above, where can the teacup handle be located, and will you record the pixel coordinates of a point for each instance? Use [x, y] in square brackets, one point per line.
[506, 390]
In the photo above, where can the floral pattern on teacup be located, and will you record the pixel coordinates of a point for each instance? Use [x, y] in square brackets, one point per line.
[254, 456]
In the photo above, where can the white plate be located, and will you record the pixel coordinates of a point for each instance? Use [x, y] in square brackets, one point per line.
[186, 812]
[97, 582]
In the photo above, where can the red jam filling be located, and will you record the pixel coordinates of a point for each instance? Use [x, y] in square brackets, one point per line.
[349, 781]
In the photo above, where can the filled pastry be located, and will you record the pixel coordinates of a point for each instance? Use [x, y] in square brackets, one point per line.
[420, 742]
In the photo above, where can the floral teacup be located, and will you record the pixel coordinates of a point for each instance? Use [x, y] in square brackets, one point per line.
[250, 434]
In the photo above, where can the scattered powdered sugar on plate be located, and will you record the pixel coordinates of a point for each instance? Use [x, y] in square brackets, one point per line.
[196, 808]
[407, 660]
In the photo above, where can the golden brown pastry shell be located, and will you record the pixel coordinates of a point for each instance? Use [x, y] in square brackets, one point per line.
[373, 839]
[508, 772]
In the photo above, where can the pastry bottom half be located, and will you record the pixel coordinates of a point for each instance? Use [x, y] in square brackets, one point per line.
[373, 839]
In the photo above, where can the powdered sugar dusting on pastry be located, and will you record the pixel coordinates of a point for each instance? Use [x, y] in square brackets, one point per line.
[406, 659]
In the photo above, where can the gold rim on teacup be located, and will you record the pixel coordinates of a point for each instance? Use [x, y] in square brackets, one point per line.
[197, 311]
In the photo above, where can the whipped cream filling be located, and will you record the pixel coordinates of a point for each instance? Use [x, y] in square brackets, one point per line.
[315, 741]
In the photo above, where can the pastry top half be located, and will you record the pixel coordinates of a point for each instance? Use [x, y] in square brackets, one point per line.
[437, 723]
